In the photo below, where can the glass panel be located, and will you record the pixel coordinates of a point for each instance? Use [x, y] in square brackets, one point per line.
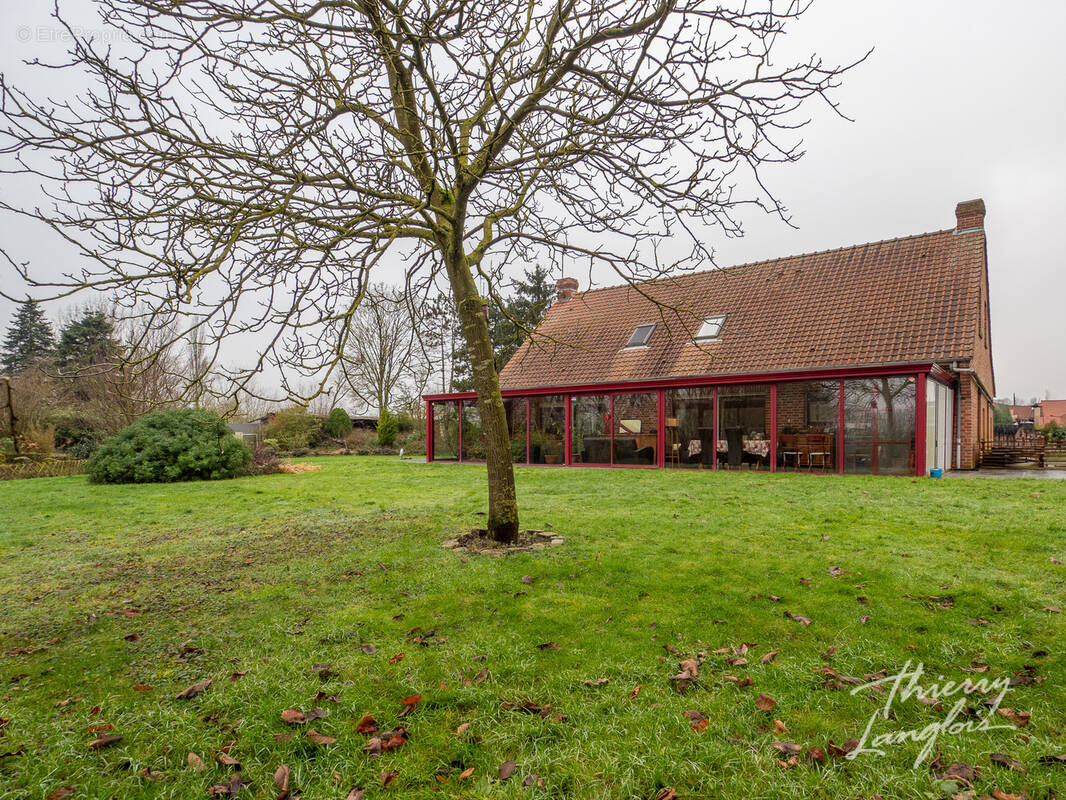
[446, 431]
[689, 427]
[515, 408]
[879, 426]
[930, 424]
[743, 421]
[473, 436]
[590, 429]
[547, 434]
[636, 428]
[808, 422]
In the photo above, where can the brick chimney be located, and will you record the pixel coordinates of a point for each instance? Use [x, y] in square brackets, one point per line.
[565, 288]
[970, 215]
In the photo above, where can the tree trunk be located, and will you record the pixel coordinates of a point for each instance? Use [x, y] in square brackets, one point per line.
[503, 502]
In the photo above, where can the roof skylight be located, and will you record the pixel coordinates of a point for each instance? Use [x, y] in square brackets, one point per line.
[711, 327]
[640, 336]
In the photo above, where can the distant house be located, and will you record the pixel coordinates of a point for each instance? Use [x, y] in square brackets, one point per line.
[251, 433]
[874, 358]
[1047, 411]
[1022, 415]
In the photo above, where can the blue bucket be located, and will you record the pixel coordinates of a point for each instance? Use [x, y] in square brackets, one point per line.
[936, 473]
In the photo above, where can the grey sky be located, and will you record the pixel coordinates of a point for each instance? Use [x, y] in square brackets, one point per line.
[961, 99]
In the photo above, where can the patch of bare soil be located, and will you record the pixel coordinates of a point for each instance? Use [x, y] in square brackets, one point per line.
[478, 541]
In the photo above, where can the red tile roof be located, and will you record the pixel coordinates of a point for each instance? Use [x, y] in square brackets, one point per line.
[1021, 413]
[914, 299]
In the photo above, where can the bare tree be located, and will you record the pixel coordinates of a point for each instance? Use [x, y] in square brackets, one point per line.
[380, 352]
[247, 160]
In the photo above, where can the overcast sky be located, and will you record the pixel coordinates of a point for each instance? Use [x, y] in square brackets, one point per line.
[960, 99]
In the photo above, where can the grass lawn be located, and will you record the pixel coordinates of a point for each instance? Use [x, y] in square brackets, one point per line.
[107, 591]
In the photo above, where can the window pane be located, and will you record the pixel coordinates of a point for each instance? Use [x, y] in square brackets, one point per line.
[808, 423]
[473, 436]
[636, 428]
[743, 421]
[591, 435]
[446, 431]
[879, 426]
[515, 408]
[689, 427]
[547, 436]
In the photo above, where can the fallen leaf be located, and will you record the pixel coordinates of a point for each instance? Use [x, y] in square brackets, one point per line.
[666, 794]
[768, 657]
[839, 751]
[1059, 759]
[466, 773]
[356, 793]
[195, 762]
[397, 657]
[527, 579]
[319, 738]
[634, 692]
[764, 702]
[960, 772]
[228, 789]
[780, 727]
[828, 654]
[1006, 761]
[101, 728]
[507, 769]
[61, 793]
[864, 619]
[787, 748]
[193, 690]
[1055, 560]
[226, 760]
[548, 646]
[798, 618]
[293, 717]
[236, 676]
[369, 649]
[389, 776]
[596, 682]
[463, 728]
[281, 780]
[815, 754]
[324, 671]
[284, 737]
[999, 794]
[383, 742]
[104, 741]
[142, 687]
[1019, 718]
[367, 724]
[836, 572]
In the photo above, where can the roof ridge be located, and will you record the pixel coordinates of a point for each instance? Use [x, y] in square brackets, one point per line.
[764, 262]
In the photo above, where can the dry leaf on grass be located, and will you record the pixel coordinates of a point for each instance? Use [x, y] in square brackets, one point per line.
[104, 741]
[192, 691]
[764, 702]
[318, 738]
[281, 781]
[367, 724]
[195, 762]
[1019, 718]
[768, 657]
[293, 717]
[507, 769]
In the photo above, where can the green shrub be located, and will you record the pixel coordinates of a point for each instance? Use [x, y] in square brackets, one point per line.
[166, 446]
[405, 423]
[293, 428]
[77, 433]
[338, 423]
[387, 426]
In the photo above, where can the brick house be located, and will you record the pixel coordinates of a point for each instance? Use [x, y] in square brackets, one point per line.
[874, 358]
[1047, 411]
